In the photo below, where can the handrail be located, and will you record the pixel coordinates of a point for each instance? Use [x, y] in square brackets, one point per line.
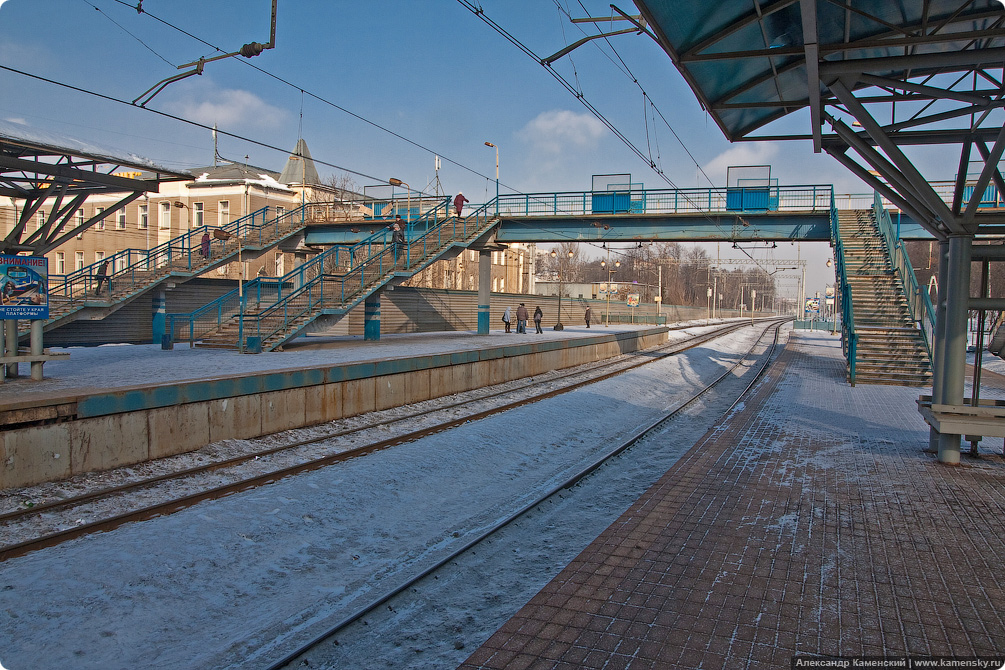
[373, 250]
[918, 300]
[810, 197]
[425, 239]
[849, 338]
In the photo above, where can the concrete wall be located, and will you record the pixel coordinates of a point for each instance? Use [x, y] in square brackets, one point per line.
[128, 426]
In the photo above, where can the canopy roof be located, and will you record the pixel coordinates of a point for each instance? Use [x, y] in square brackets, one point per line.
[747, 60]
[906, 73]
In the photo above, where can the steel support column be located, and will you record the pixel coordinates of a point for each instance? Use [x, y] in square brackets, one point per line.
[954, 371]
[371, 317]
[939, 337]
[484, 290]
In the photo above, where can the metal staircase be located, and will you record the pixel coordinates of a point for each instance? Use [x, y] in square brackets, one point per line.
[273, 311]
[133, 272]
[883, 341]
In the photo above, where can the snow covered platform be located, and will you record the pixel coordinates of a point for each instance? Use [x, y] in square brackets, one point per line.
[106, 407]
[808, 523]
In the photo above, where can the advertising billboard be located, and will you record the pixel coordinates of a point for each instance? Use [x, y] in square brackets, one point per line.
[24, 287]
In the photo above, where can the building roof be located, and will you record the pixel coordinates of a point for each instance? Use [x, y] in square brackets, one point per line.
[300, 167]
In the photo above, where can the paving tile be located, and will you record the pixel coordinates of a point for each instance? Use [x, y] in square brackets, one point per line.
[811, 521]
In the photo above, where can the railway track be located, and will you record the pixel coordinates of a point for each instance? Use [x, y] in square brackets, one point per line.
[385, 599]
[57, 521]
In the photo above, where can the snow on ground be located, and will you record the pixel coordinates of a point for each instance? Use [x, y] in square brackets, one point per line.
[227, 583]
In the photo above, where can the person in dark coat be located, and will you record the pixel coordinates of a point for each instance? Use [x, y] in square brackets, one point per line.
[538, 315]
[459, 201]
[397, 236]
[102, 276]
[588, 315]
[521, 319]
[506, 319]
[205, 245]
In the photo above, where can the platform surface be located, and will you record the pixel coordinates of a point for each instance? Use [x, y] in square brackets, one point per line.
[109, 367]
[810, 522]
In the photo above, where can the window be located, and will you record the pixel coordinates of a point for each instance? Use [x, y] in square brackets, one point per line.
[120, 219]
[280, 211]
[60, 263]
[165, 218]
[78, 260]
[223, 213]
[79, 217]
[40, 220]
[120, 263]
[144, 213]
[98, 211]
[198, 214]
[99, 256]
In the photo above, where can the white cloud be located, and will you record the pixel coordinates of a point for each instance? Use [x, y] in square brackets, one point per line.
[227, 108]
[19, 121]
[559, 129]
[752, 153]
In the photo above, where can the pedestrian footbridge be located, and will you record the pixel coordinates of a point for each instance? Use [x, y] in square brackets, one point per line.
[881, 301]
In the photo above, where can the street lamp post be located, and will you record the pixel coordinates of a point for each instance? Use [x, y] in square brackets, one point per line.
[610, 271]
[489, 144]
[561, 275]
[408, 196]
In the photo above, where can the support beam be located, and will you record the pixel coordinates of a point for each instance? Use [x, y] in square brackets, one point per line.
[957, 291]
[808, 11]
[939, 344]
[371, 317]
[910, 172]
[484, 290]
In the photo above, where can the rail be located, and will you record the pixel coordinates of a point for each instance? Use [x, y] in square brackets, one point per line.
[849, 338]
[918, 300]
[425, 239]
[667, 201]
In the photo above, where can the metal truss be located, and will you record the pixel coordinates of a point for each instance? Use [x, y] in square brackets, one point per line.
[62, 179]
[934, 76]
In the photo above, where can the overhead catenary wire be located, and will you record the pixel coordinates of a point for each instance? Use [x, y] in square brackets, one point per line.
[480, 13]
[319, 98]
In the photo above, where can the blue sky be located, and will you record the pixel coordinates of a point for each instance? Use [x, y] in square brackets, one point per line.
[431, 72]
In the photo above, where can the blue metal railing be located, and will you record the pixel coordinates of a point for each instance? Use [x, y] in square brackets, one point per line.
[308, 286]
[849, 338]
[666, 201]
[425, 239]
[918, 300]
[132, 269]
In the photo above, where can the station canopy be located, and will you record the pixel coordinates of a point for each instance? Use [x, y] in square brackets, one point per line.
[882, 75]
[37, 167]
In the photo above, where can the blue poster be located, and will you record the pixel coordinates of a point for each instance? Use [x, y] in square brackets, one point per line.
[24, 287]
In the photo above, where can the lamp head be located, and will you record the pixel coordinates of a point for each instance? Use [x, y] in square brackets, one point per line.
[554, 253]
[395, 182]
[489, 144]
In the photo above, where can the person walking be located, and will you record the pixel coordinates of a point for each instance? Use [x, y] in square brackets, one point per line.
[521, 319]
[459, 201]
[506, 319]
[538, 315]
[102, 276]
[588, 315]
[397, 236]
[204, 245]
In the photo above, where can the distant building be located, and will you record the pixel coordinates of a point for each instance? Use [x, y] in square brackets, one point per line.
[229, 190]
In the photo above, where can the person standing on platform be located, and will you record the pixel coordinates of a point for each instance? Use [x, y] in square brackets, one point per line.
[459, 201]
[102, 276]
[538, 315]
[521, 319]
[397, 236]
[506, 319]
[588, 315]
[205, 245]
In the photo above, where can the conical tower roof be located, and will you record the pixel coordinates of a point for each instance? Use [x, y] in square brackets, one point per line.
[300, 167]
